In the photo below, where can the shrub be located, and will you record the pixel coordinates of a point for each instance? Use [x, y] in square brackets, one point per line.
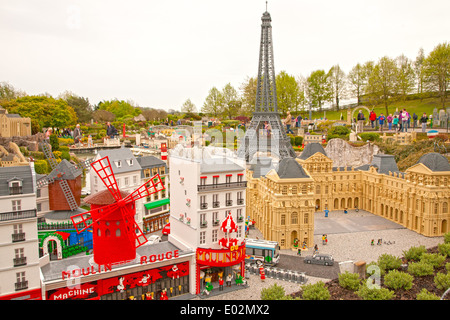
[444, 249]
[447, 237]
[388, 262]
[420, 269]
[395, 279]
[41, 167]
[65, 141]
[414, 253]
[54, 142]
[349, 281]
[298, 140]
[435, 259]
[316, 291]
[64, 148]
[375, 293]
[371, 136]
[442, 281]
[447, 266]
[426, 295]
[274, 292]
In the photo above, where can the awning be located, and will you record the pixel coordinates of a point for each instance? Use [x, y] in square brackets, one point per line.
[157, 203]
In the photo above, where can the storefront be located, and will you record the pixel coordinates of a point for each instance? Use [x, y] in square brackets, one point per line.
[213, 264]
[159, 271]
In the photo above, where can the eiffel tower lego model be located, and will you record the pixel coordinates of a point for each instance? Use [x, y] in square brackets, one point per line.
[266, 108]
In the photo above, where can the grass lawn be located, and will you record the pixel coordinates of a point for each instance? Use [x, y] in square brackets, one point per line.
[412, 106]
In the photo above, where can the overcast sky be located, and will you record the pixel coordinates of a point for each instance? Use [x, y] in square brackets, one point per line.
[161, 53]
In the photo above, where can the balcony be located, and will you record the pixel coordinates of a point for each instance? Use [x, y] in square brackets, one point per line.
[203, 206]
[203, 224]
[222, 186]
[22, 261]
[21, 285]
[229, 203]
[16, 237]
[240, 201]
[5, 216]
[216, 204]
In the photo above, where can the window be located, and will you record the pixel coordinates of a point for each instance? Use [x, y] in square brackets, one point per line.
[444, 207]
[202, 181]
[214, 235]
[15, 187]
[130, 162]
[202, 237]
[118, 182]
[135, 180]
[39, 207]
[294, 218]
[38, 193]
[126, 181]
[118, 163]
[306, 218]
[239, 177]
[16, 205]
[284, 190]
[283, 219]
[216, 180]
[239, 232]
[228, 179]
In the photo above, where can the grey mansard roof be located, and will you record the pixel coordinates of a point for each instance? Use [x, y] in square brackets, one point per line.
[435, 162]
[16, 173]
[289, 168]
[122, 155]
[311, 149]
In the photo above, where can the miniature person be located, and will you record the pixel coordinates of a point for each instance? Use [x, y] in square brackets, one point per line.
[316, 249]
[345, 211]
[238, 279]
[262, 273]
[324, 240]
[326, 212]
[380, 242]
[220, 283]
[175, 272]
[372, 242]
[148, 296]
[229, 277]
[164, 295]
[299, 252]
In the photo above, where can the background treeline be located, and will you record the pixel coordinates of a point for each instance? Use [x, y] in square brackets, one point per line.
[372, 83]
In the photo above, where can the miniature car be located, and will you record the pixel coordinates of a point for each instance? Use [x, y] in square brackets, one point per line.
[323, 259]
[166, 229]
[154, 239]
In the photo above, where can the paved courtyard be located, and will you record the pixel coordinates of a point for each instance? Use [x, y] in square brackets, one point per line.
[349, 240]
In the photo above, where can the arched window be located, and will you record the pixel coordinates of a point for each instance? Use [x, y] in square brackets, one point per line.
[444, 207]
[294, 218]
[318, 189]
[118, 233]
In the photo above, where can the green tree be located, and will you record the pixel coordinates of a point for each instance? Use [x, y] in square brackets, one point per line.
[338, 84]
[188, 107]
[290, 97]
[248, 96]
[213, 105]
[405, 76]
[419, 71]
[231, 101]
[318, 88]
[382, 85]
[82, 107]
[120, 108]
[46, 110]
[437, 70]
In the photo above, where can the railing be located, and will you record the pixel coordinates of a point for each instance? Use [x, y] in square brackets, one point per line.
[16, 237]
[216, 204]
[21, 285]
[229, 203]
[56, 225]
[216, 186]
[22, 261]
[240, 201]
[203, 206]
[5, 216]
[203, 224]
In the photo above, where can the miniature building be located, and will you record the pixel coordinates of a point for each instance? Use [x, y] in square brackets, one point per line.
[19, 266]
[418, 198]
[282, 202]
[208, 212]
[157, 205]
[13, 125]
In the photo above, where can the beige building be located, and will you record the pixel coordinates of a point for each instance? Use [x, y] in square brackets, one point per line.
[13, 125]
[283, 206]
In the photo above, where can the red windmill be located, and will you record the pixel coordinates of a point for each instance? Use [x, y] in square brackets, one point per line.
[116, 235]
